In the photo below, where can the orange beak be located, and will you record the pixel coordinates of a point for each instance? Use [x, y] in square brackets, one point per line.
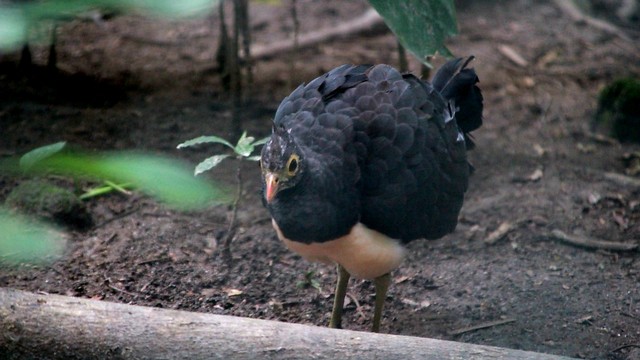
[272, 186]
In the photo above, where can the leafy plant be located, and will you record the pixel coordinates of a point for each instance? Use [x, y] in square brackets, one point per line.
[17, 17]
[242, 151]
[164, 178]
[33, 157]
[309, 281]
[168, 180]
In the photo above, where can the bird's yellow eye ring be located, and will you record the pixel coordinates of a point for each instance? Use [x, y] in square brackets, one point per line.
[293, 164]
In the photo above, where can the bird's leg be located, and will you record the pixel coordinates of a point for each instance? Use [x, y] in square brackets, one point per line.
[338, 302]
[382, 285]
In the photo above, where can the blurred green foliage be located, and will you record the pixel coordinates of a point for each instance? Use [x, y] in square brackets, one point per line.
[166, 179]
[26, 240]
[18, 17]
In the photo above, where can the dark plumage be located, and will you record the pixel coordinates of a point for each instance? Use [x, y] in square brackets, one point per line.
[368, 145]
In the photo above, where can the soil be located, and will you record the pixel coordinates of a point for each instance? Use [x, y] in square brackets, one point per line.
[134, 82]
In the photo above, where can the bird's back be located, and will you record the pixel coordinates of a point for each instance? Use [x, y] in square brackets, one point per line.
[400, 141]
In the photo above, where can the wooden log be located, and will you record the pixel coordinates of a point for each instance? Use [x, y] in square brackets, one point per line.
[369, 23]
[61, 327]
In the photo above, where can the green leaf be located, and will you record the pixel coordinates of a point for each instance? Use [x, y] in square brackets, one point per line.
[262, 141]
[420, 25]
[24, 240]
[254, 158]
[210, 163]
[36, 155]
[245, 146]
[205, 140]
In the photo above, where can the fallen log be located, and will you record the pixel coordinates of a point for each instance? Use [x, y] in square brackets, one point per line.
[61, 327]
[369, 23]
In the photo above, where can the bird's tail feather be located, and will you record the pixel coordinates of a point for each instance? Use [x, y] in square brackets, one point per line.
[456, 82]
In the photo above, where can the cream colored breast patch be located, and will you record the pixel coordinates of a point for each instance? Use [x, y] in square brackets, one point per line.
[364, 253]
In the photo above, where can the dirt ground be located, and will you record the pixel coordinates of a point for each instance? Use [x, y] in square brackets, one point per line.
[135, 82]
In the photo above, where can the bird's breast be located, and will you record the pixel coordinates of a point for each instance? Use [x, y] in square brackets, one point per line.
[364, 253]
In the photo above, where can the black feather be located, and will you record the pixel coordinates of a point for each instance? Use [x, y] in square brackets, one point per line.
[458, 83]
[380, 148]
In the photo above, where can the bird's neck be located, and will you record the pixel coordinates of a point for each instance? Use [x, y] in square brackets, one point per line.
[316, 211]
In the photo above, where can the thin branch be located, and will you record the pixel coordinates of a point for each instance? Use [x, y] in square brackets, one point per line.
[481, 326]
[232, 228]
[592, 243]
[622, 179]
[403, 64]
[625, 346]
[246, 39]
[629, 315]
[117, 217]
[296, 33]
[571, 9]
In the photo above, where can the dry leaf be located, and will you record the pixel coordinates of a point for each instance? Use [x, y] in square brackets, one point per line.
[422, 304]
[402, 279]
[499, 233]
[536, 175]
[233, 292]
[594, 198]
[511, 54]
[208, 292]
[539, 150]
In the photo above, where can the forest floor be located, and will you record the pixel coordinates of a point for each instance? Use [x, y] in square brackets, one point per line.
[140, 83]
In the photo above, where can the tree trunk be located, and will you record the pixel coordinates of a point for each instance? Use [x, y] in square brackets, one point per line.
[62, 327]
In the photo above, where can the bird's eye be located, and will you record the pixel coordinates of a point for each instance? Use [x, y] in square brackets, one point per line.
[292, 165]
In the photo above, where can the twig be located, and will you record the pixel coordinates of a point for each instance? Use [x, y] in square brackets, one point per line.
[151, 261]
[511, 54]
[246, 40]
[622, 179]
[231, 229]
[122, 291]
[602, 139]
[358, 307]
[626, 346]
[480, 326]
[499, 233]
[295, 35]
[592, 243]
[570, 8]
[117, 217]
[629, 315]
[261, 220]
[403, 64]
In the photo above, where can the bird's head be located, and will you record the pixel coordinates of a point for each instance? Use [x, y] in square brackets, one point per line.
[281, 162]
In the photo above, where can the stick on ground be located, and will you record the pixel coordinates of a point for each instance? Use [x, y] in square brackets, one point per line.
[480, 326]
[591, 243]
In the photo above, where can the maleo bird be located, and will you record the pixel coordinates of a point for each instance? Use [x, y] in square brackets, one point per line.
[363, 160]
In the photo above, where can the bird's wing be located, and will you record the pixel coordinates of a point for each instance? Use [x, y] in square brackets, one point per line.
[410, 152]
